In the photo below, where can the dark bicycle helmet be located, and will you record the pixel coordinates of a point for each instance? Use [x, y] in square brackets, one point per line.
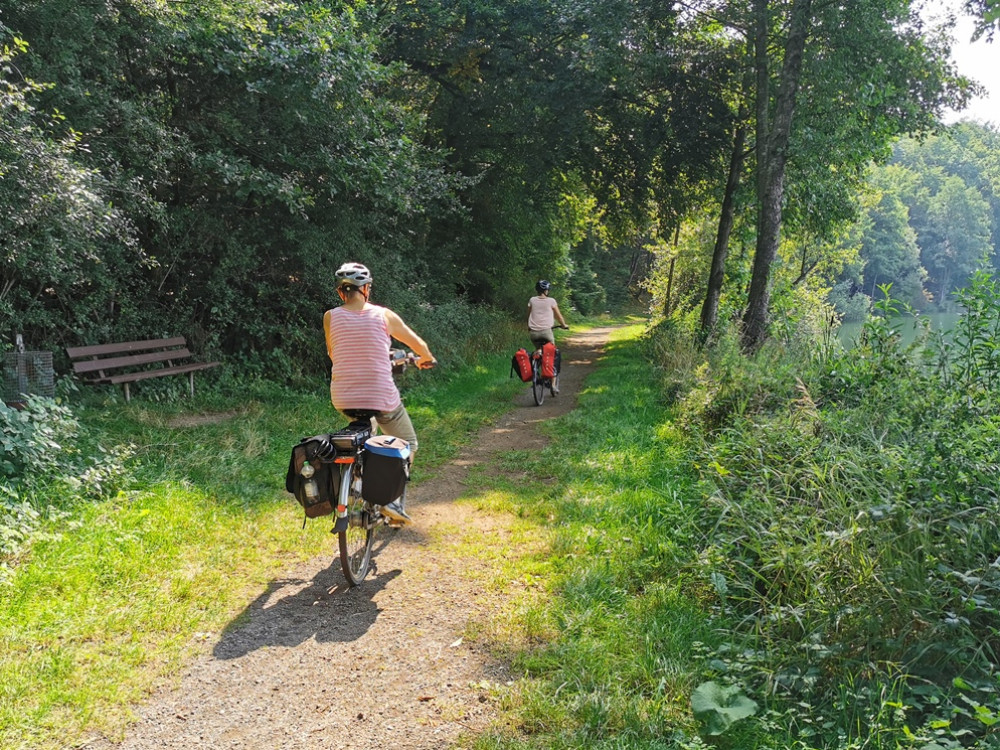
[543, 286]
[353, 274]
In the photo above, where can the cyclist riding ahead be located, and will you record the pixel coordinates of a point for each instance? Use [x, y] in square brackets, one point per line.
[358, 337]
[542, 312]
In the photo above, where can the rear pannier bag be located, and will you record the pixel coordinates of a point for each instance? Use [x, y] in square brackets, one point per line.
[314, 482]
[549, 360]
[521, 364]
[387, 467]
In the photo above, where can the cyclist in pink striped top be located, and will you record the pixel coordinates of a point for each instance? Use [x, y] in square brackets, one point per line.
[358, 337]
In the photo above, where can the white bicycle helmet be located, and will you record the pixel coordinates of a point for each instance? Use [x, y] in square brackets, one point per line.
[353, 274]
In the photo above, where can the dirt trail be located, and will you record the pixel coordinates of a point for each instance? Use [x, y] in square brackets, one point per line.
[316, 664]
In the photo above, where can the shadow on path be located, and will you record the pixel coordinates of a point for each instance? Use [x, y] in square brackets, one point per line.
[291, 611]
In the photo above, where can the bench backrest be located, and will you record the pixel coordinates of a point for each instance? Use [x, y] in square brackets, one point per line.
[124, 354]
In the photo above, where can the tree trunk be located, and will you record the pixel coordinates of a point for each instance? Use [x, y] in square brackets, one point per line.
[945, 286]
[670, 284]
[710, 310]
[772, 156]
[670, 273]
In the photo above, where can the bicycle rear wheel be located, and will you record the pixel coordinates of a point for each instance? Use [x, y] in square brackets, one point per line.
[357, 539]
[537, 381]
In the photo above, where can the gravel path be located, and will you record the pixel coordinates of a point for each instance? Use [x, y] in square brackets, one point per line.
[315, 664]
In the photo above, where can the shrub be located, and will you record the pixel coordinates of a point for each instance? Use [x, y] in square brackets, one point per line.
[854, 527]
[47, 466]
[36, 439]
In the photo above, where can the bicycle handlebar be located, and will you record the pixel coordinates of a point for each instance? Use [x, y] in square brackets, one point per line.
[400, 359]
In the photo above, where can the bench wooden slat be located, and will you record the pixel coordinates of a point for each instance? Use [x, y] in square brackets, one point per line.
[102, 364]
[100, 350]
[113, 363]
[131, 377]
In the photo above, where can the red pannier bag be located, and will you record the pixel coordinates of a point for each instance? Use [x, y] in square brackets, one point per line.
[549, 360]
[521, 364]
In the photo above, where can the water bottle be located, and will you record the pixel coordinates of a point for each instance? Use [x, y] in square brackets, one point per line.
[310, 488]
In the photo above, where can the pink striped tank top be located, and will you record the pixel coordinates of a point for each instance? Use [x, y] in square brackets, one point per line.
[358, 344]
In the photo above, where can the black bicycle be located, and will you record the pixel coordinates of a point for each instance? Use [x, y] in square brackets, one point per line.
[540, 383]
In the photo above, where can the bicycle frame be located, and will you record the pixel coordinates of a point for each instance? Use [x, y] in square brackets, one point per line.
[350, 452]
[539, 383]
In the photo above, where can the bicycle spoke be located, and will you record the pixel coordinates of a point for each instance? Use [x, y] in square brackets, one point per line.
[537, 381]
[356, 541]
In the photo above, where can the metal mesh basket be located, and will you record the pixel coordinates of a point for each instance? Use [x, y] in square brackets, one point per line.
[27, 374]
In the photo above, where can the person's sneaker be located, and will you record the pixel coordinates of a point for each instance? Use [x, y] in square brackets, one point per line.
[396, 514]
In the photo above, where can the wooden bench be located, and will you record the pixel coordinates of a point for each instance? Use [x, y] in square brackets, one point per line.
[129, 361]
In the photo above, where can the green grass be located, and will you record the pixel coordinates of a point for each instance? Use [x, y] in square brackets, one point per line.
[106, 606]
[608, 640]
[607, 619]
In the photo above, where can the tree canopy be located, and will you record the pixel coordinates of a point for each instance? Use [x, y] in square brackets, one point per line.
[200, 168]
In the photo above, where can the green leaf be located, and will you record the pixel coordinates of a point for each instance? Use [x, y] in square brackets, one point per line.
[719, 707]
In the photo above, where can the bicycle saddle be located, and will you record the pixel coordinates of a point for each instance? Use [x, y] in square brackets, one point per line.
[359, 415]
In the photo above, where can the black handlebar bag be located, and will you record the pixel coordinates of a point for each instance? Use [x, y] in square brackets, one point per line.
[314, 482]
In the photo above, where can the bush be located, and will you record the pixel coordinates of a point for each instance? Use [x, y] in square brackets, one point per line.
[46, 457]
[854, 527]
[36, 439]
[716, 383]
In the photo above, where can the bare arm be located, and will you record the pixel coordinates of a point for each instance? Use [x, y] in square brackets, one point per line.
[402, 332]
[555, 309]
[326, 332]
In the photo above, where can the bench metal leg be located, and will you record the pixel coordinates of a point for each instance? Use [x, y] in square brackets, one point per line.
[126, 392]
[191, 379]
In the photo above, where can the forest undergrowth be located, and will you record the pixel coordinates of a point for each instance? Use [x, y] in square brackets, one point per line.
[851, 531]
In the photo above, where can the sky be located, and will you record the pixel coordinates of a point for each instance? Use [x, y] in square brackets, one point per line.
[976, 60]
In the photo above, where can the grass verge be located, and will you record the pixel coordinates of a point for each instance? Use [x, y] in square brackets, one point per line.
[608, 629]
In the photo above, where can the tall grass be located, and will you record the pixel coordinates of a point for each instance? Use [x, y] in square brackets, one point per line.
[853, 530]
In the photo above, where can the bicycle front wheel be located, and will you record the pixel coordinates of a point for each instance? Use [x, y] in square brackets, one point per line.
[537, 381]
[357, 539]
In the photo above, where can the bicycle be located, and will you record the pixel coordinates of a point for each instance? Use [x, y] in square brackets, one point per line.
[357, 520]
[540, 383]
